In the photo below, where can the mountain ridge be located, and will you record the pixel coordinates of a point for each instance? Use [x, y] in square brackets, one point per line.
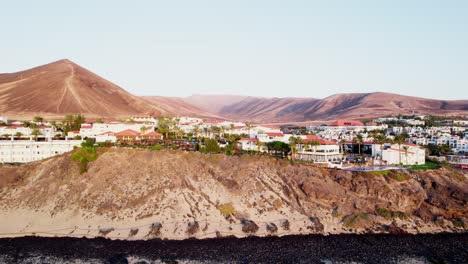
[64, 87]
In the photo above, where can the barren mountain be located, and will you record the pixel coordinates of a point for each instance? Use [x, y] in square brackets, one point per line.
[138, 194]
[214, 103]
[63, 87]
[177, 106]
[339, 106]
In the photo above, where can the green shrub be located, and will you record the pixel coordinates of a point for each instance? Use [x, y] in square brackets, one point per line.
[399, 176]
[226, 209]
[384, 213]
[429, 165]
[350, 220]
[84, 155]
[212, 146]
[382, 172]
[390, 214]
[458, 223]
[156, 147]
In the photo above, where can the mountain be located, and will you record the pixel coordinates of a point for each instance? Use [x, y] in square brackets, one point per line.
[63, 87]
[338, 106]
[177, 106]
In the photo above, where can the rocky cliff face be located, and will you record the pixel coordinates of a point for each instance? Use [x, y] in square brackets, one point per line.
[138, 194]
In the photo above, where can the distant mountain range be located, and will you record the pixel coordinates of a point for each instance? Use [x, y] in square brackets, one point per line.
[338, 106]
[63, 87]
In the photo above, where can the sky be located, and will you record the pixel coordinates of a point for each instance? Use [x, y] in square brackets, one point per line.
[259, 48]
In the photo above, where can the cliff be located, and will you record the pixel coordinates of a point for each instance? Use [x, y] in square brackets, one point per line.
[139, 194]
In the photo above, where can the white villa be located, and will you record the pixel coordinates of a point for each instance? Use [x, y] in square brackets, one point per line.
[324, 151]
[250, 144]
[22, 151]
[406, 154]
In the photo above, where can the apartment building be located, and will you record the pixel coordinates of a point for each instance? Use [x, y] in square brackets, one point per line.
[22, 151]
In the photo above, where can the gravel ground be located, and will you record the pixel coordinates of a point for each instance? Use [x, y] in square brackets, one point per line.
[439, 248]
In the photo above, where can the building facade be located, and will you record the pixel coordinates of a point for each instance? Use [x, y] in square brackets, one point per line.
[22, 151]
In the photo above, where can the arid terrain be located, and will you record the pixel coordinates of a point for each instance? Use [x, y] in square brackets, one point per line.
[63, 87]
[338, 106]
[139, 194]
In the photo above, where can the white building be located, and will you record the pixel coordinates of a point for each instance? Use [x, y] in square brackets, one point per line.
[323, 151]
[273, 136]
[22, 151]
[93, 130]
[251, 144]
[406, 154]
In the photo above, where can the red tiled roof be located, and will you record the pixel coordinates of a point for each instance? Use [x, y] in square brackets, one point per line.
[321, 141]
[128, 133]
[343, 122]
[107, 133]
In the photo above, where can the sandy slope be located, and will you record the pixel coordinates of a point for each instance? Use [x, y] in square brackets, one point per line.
[125, 191]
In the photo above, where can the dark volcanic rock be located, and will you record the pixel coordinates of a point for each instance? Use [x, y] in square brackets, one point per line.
[440, 248]
[192, 228]
[316, 226]
[133, 232]
[249, 226]
[155, 230]
[284, 223]
[271, 228]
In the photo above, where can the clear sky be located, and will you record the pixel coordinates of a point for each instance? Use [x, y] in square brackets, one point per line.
[262, 48]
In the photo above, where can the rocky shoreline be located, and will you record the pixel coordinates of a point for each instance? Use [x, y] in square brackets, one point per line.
[370, 248]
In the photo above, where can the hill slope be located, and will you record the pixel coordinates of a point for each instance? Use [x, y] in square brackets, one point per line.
[339, 106]
[63, 87]
[130, 193]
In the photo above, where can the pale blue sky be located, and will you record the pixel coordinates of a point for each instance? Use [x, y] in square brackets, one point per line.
[261, 48]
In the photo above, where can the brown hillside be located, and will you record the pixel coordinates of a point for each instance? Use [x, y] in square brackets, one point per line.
[63, 87]
[129, 189]
[339, 106]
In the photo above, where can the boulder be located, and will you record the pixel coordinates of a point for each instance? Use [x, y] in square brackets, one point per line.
[284, 223]
[133, 232]
[271, 228]
[155, 229]
[104, 231]
[316, 226]
[249, 226]
[192, 228]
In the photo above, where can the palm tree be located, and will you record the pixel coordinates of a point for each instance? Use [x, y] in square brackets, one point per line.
[196, 130]
[358, 140]
[249, 126]
[143, 129]
[400, 139]
[380, 139]
[18, 134]
[405, 149]
[314, 145]
[260, 145]
[35, 133]
[293, 142]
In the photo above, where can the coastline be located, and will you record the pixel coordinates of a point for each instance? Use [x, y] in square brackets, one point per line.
[368, 248]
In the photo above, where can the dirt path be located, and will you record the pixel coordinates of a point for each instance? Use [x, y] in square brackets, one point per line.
[70, 88]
